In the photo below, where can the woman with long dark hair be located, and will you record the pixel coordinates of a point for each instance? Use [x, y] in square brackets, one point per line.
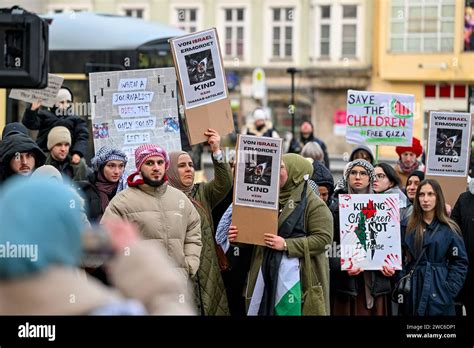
[434, 238]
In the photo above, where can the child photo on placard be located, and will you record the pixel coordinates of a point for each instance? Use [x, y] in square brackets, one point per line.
[200, 67]
[259, 171]
[171, 125]
[448, 142]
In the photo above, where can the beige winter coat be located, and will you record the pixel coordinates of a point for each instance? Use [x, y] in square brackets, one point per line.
[166, 215]
[61, 290]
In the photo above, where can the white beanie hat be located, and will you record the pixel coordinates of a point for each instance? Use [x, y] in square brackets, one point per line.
[63, 94]
[259, 114]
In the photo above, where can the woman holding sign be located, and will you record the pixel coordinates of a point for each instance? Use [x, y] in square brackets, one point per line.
[276, 286]
[210, 290]
[433, 239]
[357, 292]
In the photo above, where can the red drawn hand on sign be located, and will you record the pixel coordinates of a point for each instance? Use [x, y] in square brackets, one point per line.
[369, 211]
[393, 260]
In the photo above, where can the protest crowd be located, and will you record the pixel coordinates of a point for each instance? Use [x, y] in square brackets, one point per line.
[171, 244]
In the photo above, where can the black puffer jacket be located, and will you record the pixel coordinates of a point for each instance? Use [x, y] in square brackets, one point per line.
[45, 120]
[17, 143]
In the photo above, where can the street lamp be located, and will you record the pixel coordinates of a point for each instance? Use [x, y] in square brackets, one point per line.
[292, 108]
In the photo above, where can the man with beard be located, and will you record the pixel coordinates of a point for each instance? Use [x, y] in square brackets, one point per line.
[163, 214]
[19, 155]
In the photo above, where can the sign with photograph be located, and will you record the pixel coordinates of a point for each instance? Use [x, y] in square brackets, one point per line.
[376, 118]
[135, 107]
[46, 96]
[370, 231]
[201, 74]
[257, 181]
[448, 144]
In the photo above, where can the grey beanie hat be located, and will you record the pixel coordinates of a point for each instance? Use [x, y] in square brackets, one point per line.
[106, 154]
[362, 163]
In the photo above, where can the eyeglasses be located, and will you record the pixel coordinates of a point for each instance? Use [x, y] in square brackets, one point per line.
[381, 176]
[362, 174]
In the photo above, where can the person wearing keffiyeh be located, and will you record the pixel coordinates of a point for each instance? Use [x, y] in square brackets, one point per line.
[163, 213]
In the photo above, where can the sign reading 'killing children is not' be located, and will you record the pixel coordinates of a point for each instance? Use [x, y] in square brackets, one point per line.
[369, 231]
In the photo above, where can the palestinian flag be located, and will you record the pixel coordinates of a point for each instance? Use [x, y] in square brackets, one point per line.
[288, 293]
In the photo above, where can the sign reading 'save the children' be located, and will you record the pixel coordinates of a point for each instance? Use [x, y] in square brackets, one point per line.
[379, 118]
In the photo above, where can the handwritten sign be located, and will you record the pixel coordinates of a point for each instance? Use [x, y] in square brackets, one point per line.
[46, 96]
[379, 118]
[370, 231]
[135, 107]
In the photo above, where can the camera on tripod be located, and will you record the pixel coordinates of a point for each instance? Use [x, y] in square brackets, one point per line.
[24, 39]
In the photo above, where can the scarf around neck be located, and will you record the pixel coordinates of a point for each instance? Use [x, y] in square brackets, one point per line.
[106, 189]
[408, 169]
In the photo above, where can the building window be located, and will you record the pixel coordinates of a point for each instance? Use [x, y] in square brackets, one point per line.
[325, 31]
[67, 9]
[282, 32]
[445, 91]
[422, 26]
[187, 19]
[349, 30]
[134, 12]
[338, 30]
[234, 32]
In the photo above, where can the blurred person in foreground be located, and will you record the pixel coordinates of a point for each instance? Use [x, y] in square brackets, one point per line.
[43, 220]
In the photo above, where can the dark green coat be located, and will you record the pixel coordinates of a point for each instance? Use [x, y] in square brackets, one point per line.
[211, 291]
[319, 229]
